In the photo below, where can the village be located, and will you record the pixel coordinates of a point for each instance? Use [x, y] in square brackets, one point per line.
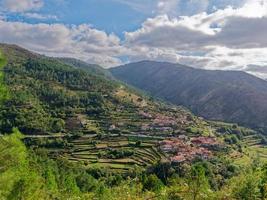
[155, 123]
[184, 149]
[180, 145]
[169, 128]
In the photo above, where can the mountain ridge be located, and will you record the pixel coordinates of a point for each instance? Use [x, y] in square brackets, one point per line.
[231, 96]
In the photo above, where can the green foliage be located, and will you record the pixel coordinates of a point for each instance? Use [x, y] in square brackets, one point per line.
[174, 194]
[44, 92]
[263, 139]
[12, 151]
[31, 174]
[86, 182]
[248, 189]
[231, 139]
[138, 143]
[163, 170]
[4, 95]
[21, 180]
[198, 182]
[117, 154]
[58, 125]
[153, 183]
[91, 68]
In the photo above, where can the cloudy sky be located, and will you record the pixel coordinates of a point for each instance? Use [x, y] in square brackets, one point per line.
[208, 34]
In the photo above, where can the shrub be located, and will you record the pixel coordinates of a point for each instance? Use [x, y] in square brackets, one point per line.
[153, 183]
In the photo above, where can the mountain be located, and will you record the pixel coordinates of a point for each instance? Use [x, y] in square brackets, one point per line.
[76, 112]
[91, 68]
[230, 96]
[86, 135]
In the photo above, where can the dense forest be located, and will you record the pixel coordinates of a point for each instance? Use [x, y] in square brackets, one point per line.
[71, 133]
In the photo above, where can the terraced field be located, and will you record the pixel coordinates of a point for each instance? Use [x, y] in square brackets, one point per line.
[254, 148]
[114, 152]
[252, 140]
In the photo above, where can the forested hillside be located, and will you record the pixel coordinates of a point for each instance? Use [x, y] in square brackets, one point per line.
[72, 133]
[3, 89]
[91, 68]
[229, 96]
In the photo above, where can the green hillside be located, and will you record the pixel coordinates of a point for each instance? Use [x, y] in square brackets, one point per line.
[72, 133]
[3, 89]
[83, 115]
[91, 68]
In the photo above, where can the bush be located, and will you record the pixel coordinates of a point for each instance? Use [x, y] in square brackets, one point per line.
[153, 183]
[173, 194]
[58, 125]
[117, 154]
[86, 182]
[138, 143]
[231, 139]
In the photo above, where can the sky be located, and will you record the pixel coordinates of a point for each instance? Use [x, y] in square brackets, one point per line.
[206, 34]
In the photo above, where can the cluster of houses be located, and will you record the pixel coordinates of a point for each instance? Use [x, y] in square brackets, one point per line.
[159, 119]
[145, 115]
[184, 149]
[162, 120]
[159, 122]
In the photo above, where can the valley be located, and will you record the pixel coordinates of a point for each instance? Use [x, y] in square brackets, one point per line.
[81, 127]
[133, 100]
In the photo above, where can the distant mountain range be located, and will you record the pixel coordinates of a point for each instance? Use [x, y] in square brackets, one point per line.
[231, 96]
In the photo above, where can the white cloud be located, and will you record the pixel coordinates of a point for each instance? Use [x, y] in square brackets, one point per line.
[230, 26]
[164, 32]
[170, 7]
[179, 7]
[81, 41]
[22, 5]
[39, 16]
[230, 38]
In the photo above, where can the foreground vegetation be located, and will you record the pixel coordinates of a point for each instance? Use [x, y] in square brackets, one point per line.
[29, 174]
[3, 89]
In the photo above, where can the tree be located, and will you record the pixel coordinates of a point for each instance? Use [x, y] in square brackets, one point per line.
[153, 183]
[197, 182]
[248, 189]
[20, 177]
[263, 182]
[163, 170]
[58, 125]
